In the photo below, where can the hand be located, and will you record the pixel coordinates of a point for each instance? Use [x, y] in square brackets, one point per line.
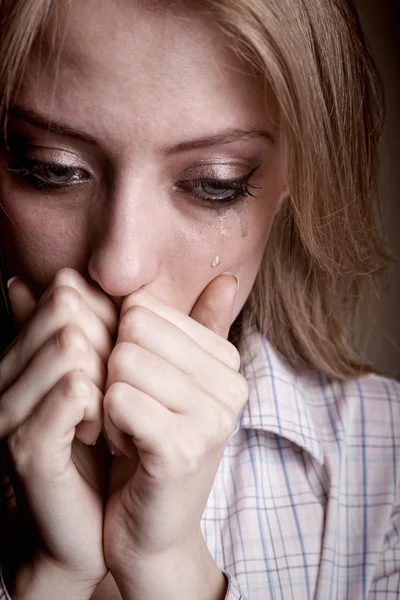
[173, 395]
[52, 380]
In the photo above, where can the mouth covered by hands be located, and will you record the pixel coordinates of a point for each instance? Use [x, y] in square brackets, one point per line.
[172, 397]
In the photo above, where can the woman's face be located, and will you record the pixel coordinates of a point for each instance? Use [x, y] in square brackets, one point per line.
[148, 113]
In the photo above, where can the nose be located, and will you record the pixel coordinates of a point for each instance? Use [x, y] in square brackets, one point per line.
[126, 245]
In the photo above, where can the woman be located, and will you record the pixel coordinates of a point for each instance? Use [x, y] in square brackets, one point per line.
[168, 433]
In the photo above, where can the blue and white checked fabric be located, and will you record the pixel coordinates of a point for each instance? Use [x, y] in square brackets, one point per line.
[305, 504]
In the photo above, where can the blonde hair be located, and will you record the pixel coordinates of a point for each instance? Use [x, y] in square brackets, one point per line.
[324, 245]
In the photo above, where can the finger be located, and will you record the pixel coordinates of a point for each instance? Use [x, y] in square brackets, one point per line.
[94, 297]
[130, 416]
[63, 307]
[74, 400]
[135, 422]
[214, 307]
[210, 341]
[176, 391]
[22, 300]
[47, 434]
[68, 350]
[40, 453]
[176, 348]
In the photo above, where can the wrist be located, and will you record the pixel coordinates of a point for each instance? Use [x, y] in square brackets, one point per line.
[43, 579]
[176, 575]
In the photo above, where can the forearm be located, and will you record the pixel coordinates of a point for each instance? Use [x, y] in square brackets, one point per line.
[44, 581]
[177, 576]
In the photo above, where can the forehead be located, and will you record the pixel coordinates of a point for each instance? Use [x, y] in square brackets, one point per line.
[122, 68]
[121, 33]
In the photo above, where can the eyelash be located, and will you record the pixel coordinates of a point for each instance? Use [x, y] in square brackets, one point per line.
[33, 173]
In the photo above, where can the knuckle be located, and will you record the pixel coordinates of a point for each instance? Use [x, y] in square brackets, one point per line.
[114, 398]
[118, 356]
[232, 356]
[70, 338]
[140, 297]
[75, 385]
[134, 322]
[240, 391]
[65, 298]
[224, 422]
[10, 417]
[18, 451]
[27, 454]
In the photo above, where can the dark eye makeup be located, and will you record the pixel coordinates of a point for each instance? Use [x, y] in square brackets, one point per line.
[219, 191]
[53, 177]
[45, 175]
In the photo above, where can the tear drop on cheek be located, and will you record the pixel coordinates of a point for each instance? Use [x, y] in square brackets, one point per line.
[231, 220]
[215, 262]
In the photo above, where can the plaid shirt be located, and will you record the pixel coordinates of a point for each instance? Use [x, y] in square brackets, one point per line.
[305, 504]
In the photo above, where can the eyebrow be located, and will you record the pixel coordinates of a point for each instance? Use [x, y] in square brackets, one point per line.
[38, 120]
[226, 137]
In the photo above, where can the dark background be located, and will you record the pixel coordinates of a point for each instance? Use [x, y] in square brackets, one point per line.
[379, 324]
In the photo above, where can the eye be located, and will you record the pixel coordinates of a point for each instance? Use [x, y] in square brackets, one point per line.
[219, 191]
[40, 175]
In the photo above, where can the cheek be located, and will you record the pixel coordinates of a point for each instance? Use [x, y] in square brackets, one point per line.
[231, 239]
[243, 234]
[39, 240]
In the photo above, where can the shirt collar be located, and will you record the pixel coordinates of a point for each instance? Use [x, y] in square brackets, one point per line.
[277, 397]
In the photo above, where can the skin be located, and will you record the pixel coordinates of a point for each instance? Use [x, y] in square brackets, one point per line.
[140, 278]
[189, 87]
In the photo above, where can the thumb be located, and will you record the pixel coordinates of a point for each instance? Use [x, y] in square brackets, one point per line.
[214, 306]
[22, 301]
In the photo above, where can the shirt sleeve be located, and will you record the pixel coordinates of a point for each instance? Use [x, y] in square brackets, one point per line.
[233, 591]
[386, 581]
[3, 592]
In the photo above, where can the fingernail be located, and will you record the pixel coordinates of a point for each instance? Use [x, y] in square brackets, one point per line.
[235, 276]
[111, 446]
[114, 450]
[9, 282]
